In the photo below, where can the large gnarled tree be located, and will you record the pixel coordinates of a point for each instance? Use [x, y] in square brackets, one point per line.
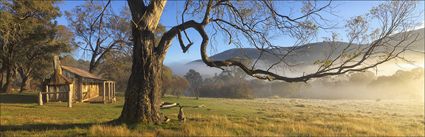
[255, 23]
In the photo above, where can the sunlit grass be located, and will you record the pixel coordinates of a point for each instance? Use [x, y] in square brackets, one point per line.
[220, 117]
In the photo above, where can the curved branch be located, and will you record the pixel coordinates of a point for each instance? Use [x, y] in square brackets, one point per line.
[165, 41]
[184, 48]
[168, 36]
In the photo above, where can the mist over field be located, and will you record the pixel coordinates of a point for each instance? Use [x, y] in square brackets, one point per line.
[390, 81]
[401, 78]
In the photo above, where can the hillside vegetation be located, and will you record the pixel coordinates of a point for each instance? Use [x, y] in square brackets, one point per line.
[21, 116]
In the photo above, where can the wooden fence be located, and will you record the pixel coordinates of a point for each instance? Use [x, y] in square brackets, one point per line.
[40, 97]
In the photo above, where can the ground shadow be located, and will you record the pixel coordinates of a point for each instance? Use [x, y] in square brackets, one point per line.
[119, 106]
[43, 127]
[18, 98]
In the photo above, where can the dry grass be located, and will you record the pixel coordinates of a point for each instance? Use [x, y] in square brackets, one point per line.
[99, 130]
[224, 117]
[116, 131]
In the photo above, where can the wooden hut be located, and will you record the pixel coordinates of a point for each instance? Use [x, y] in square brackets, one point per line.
[73, 84]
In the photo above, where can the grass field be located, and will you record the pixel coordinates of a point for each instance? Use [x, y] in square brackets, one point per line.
[21, 116]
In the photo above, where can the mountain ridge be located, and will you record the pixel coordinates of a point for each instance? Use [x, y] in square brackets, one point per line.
[309, 51]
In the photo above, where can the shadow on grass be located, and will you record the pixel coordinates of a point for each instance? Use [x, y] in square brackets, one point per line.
[51, 126]
[44, 127]
[119, 106]
[18, 98]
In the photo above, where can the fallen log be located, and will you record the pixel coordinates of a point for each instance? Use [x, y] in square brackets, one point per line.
[166, 105]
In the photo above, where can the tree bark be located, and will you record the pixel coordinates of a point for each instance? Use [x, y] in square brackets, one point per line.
[143, 93]
[142, 96]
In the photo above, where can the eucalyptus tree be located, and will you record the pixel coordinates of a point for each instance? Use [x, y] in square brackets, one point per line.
[36, 53]
[255, 23]
[180, 85]
[195, 80]
[99, 30]
[28, 36]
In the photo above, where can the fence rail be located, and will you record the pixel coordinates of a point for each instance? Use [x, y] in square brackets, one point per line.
[40, 97]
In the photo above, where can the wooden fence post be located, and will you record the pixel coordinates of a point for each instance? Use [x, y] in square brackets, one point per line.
[104, 86]
[57, 93]
[109, 91]
[69, 96]
[40, 99]
[47, 95]
[113, 93]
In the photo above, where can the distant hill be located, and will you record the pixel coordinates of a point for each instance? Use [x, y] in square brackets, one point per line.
[307, 53]
[302, 55]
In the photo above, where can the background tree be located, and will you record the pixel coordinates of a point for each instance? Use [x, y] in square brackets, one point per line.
[99, 30]
[195, 80]
[28, 38]
[180, 85]
[254, 23]
[37, 52]
[228, 84]
[68, 60]
[116, 66]
[167, 81]
[173, 84]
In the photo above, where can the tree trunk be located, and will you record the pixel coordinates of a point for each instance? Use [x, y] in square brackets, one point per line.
[1, 78]
[193, 92]
[25, 83]
[91, 69]
[197, 93]
[6, 86]
[95, 59]
[25, 80]
[143, 93]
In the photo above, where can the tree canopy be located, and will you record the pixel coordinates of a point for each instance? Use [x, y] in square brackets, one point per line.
[99, 30]
[28, 38]
[195, 80]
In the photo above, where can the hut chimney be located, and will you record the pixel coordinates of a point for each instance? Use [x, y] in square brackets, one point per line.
[57, 65]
